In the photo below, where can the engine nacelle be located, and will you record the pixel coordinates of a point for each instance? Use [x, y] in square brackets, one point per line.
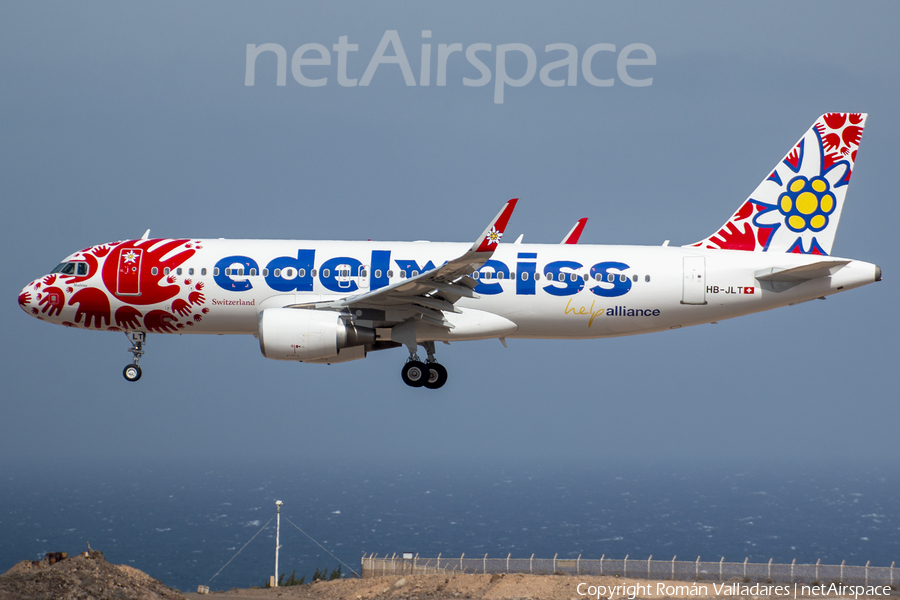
[310, 335]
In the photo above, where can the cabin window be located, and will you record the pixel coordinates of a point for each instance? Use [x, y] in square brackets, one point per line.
[301, 272]
[524, 275]
[203, 271]
[415, 274]
[610, 278]
[512, 274]
[252, 272]
[215, 271]
[191, 271]
[574, 277]
[598, 277]
[500, 275]
[277, 273]
[154, 271]
[623, 278]
[288, 273]
[537, 276]
[363, 273]
[325, 272]
[635, 278]
[402, 274]
[647, 278]
[476, 275]
[166, 271]
[390, 274]
[312, 273]
[178, 271]
[265, 272]
[377, 273]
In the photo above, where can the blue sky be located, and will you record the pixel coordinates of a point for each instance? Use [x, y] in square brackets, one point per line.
[121, 117]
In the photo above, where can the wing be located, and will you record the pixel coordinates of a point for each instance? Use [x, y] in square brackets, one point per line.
[428, 295]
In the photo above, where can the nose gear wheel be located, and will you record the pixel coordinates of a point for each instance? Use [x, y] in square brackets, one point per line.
[133, 371]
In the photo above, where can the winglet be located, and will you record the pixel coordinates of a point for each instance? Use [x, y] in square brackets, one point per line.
[575, 234]
[492, 234]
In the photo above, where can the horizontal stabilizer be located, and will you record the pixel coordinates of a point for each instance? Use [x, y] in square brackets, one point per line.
[822, 268]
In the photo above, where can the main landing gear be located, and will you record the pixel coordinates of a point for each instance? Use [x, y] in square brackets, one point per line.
[132, 372]
[430, 374]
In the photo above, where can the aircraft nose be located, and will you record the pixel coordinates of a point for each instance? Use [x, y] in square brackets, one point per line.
[28, 299]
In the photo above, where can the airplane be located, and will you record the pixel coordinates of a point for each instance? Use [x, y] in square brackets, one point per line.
[336, 301]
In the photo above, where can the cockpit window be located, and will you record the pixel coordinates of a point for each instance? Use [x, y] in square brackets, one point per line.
[71, 268]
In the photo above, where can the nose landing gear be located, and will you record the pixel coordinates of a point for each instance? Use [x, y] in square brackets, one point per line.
[430, 374]
[132, 372]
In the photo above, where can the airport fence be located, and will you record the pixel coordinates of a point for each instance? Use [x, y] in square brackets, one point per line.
[697, 570]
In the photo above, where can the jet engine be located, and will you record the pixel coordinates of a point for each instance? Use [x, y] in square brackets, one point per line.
[311, 336]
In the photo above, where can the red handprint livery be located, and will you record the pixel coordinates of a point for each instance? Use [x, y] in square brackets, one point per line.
[100, 287]
[160, 321]
[52, 300]
[128, 318]
[93, 305]
[139, 272]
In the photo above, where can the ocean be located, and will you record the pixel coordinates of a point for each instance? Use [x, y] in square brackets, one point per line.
[182, 523]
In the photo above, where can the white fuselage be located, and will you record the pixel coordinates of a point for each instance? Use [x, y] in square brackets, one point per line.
[220, 286]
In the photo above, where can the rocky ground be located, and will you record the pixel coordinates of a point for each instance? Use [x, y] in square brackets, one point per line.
[81, 578]
[91, 577]
[496, 587]
[429, 587]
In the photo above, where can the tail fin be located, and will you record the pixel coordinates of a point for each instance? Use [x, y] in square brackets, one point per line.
[798, 206]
